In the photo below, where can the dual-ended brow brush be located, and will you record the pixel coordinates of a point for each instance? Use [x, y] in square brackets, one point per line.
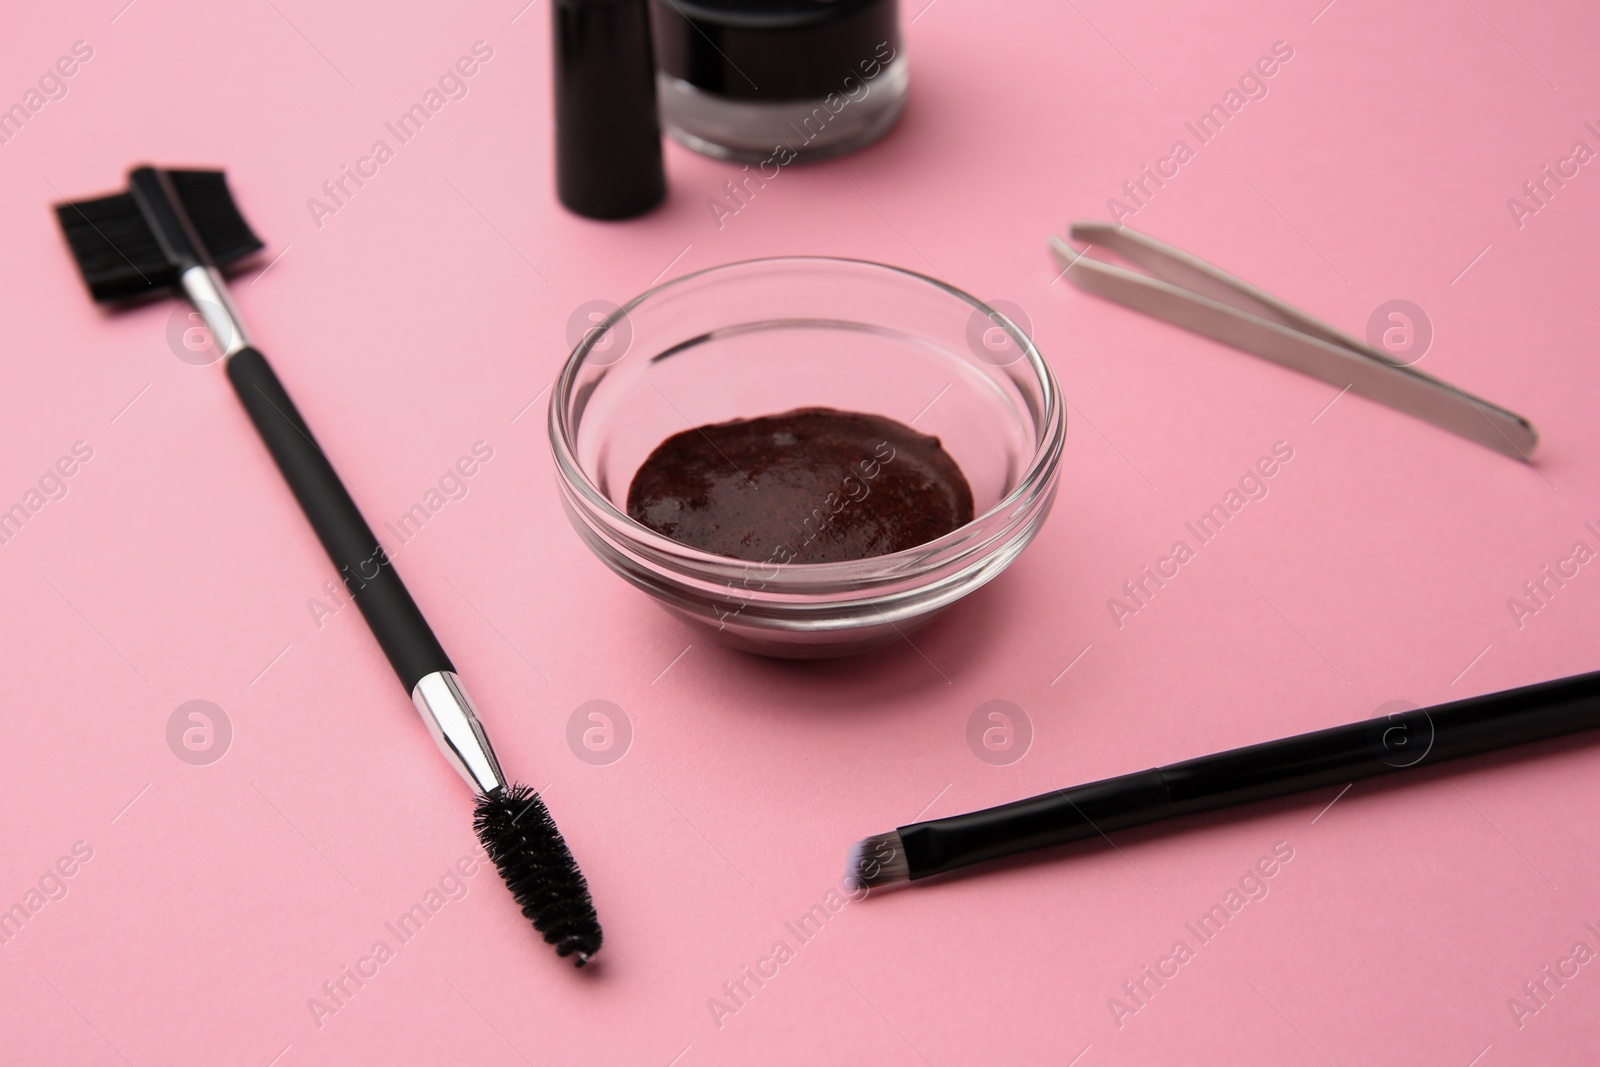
[1416, 738]
[173, 232]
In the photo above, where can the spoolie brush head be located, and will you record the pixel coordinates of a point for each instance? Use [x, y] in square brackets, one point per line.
[522, 840]
[876, 861]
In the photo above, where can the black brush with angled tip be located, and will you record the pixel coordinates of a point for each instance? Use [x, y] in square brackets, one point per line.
[1338, 755]
[173, 232]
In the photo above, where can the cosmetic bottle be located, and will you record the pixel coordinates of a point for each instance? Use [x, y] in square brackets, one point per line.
[772, 82]
[607, 133]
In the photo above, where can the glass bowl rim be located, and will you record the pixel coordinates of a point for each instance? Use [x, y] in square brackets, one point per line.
[1046, 457]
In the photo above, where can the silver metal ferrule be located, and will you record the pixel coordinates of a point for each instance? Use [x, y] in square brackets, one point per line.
[208, 292]
[453, 722]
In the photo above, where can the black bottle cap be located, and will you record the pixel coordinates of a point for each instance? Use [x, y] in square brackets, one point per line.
[608, 134]
[774, 49]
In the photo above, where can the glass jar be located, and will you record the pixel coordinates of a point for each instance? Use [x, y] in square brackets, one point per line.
[772, 82]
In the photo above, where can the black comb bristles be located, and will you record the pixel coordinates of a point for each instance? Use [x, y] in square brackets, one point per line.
[116, 250]
[521, 838]
[210, 207]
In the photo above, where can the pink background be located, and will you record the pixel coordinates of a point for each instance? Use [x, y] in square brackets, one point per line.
[431, 310]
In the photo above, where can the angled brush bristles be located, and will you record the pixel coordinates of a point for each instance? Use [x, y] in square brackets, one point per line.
[522, 840]
[877, 861]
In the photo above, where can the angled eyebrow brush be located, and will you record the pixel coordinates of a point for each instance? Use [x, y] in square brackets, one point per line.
[172, 232]
[1417, 738]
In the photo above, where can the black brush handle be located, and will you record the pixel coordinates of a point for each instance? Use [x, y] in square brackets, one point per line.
[363, 565]
[1420, 737]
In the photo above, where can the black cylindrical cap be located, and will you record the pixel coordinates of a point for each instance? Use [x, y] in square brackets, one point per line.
[608, 135]
[770, 50]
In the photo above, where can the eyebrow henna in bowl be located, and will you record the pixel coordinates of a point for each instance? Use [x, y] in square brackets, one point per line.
[812, 485]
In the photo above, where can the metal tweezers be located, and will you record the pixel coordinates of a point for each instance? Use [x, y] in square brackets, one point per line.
[1189, 292]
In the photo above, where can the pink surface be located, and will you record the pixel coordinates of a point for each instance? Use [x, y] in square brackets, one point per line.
[431, 311]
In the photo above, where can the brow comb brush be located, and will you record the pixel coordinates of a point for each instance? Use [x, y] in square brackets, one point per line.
[173, 232]
[1187, 291]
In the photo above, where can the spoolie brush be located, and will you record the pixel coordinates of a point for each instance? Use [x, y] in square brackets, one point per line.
[522, 840]
[172, 232]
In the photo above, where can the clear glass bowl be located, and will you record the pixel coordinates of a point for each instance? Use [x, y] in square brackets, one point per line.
[766, 336]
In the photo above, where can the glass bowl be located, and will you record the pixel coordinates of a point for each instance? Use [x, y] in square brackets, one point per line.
[766, 336]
